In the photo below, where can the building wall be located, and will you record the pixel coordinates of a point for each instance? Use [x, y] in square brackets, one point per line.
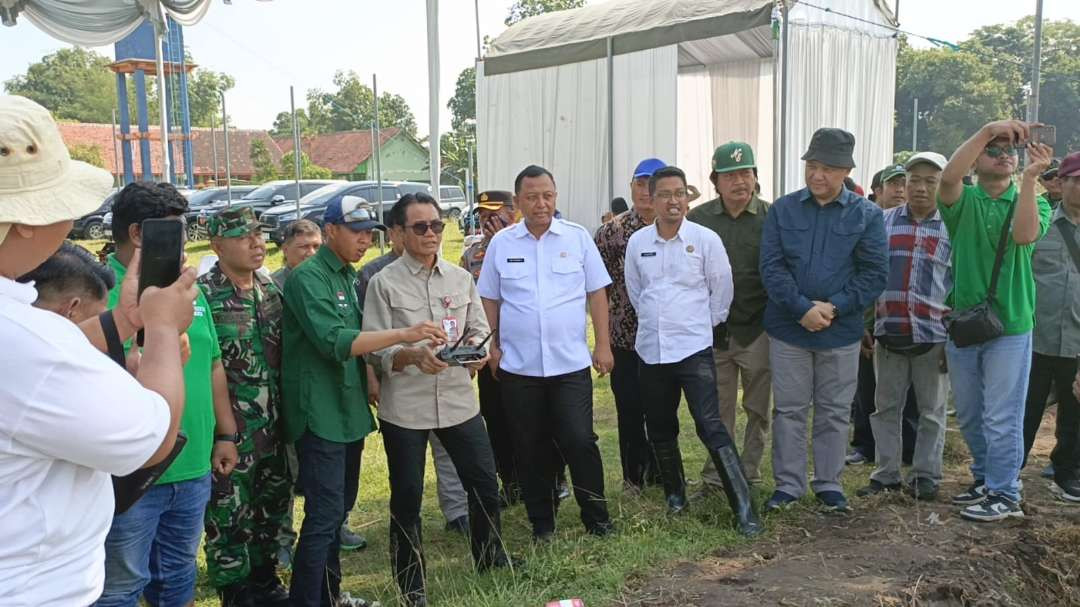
[402, 160]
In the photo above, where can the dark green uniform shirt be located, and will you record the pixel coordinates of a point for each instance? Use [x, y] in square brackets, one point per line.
[324, 387]
[742, 240]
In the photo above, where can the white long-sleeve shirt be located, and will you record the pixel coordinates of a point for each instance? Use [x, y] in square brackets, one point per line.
[681, 288]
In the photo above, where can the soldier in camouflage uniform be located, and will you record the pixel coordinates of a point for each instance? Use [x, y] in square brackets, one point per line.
[249, 517]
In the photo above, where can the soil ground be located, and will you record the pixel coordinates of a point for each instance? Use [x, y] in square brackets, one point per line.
[893, 551]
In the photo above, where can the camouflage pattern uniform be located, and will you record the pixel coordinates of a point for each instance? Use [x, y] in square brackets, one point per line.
[249, 517]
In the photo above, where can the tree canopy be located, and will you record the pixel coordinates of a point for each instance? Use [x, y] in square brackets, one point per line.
[352, 108]
[523, 9]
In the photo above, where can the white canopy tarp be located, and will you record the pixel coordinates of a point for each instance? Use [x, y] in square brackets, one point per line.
[99, 22]
[687, 76]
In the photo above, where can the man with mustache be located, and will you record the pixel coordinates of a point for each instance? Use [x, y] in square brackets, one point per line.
[249, 510]
[737, 215]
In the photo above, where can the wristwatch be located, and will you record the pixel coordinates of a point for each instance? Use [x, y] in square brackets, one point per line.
[232, 438]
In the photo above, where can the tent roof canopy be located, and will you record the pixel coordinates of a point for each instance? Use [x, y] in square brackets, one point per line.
[99, 22]
[707, 31]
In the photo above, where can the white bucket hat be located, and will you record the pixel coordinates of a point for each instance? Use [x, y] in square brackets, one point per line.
[39, 182]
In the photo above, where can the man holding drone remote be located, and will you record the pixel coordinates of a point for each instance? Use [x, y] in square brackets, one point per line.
[426, 390]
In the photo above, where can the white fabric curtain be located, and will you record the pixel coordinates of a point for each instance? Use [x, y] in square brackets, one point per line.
[100, 22]
[845, 79]
[557, 117]
[695, 145]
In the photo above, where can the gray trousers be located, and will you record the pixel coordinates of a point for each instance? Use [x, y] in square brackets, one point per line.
[748, 365]
[895, 373]
[803, 379]
[453, 501]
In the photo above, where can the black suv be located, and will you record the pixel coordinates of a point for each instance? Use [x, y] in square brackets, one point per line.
[89, 226]
[277, 220]
[267, 196]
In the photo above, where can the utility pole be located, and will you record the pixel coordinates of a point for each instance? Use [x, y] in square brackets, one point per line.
[228, 155]
[915, 127]
[1036, 64]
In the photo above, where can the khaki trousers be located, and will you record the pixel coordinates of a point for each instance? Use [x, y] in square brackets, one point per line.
[750, 364]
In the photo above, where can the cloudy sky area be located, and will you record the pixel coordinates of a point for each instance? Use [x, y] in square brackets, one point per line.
[268, 46]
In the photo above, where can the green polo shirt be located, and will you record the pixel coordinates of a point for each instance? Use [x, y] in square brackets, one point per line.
[324, 387]
[974, 225]
[198, 420]
[742, 241]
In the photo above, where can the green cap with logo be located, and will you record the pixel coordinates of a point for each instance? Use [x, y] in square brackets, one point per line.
[733, 156]
[233, 223]
[892, 172]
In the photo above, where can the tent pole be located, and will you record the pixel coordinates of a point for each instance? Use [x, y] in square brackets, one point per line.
[1036, 64]
[610, 120]
[783, 99]
[376, 156]
[163, 101]
[228, 154]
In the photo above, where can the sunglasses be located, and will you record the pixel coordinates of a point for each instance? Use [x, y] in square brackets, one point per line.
[421, 227]
[994, 151]
[358, 214]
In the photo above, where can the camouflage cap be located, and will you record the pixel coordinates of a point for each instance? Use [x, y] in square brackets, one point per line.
[233, 223]
[733, 156]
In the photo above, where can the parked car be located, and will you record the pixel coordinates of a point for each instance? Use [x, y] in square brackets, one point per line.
[268, 195]
[89, 226]
[106, 225]
[452, 201]
[277, 220]
[202, 199]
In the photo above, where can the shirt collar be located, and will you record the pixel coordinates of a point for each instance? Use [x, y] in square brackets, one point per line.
[331, 259]
[678, 235]
[903, 212]
[845, 198]
[20, 292]
[1009, 195]
[1059, 214]
[521, 230]
[119, 269]
[755, 205]
[415, 266]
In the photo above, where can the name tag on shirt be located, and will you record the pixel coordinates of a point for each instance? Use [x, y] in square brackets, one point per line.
[515, 260]
[648, 254]
[198, 311]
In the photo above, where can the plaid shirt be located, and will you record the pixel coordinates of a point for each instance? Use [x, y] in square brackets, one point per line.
[920, 278]
[611, 240]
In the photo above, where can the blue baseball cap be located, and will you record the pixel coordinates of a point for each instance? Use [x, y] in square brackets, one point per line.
[353, 212]
[647, 167]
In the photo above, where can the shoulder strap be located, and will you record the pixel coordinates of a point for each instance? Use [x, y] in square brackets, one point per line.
[1002, 245]
[1070, 241]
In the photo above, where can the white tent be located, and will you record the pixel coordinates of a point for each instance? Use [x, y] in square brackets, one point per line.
[685, 76]
[99, 22]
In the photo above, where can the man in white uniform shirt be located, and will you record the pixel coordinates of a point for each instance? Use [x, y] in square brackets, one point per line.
[69, 416]
[535, 281]
[679, 281]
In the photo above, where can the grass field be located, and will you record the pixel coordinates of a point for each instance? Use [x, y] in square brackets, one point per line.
[599, 571]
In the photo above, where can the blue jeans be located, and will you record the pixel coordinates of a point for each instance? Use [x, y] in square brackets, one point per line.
[989, 383]
[151, 548]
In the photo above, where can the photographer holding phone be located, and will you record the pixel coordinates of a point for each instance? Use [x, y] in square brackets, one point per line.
[70, 417]
[422, 394]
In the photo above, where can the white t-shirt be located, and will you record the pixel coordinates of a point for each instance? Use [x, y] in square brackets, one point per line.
[69, 417]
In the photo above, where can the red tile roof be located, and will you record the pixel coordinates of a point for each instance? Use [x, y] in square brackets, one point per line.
[100, 135]
[340, 152]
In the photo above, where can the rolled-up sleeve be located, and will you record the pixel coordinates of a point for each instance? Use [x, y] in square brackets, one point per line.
[312, 302]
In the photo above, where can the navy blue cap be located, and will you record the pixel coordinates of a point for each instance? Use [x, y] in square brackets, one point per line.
[353, 212]
[647, 167]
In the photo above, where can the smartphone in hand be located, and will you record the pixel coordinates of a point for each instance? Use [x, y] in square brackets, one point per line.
[162, 255]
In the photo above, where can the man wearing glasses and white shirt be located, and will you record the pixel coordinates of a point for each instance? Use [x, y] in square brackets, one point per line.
[536, 279]
[674, 270]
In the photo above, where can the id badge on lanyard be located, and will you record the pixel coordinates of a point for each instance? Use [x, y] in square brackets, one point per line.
[449, 322]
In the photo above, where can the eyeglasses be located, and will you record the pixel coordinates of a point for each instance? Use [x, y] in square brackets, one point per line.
[421, 227]
[666, 196]
[994, 151]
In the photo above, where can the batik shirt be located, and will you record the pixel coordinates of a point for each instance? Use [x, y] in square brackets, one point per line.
[611, 239]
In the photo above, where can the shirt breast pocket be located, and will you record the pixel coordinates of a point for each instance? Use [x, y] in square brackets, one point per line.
[794, 235]
[569, 275]
[405, 309]
[843, 237]
[691, 271]
[1047, 257]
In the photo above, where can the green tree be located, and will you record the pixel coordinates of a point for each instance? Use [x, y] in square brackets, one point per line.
[462, 105]
[88, 153]
[204, 101]
[283, 124]
[308, 169]
[262, 161]
[73, 83]
[523, 9]
[352, 107]
[958, 92]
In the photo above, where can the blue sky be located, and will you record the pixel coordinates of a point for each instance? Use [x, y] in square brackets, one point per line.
[267, 46]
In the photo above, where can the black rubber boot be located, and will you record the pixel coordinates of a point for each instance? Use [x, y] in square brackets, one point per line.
[236, 595]
[737, 490]
[265, 588]
[669, 458]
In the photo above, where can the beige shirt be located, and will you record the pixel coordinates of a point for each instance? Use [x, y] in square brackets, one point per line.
[403, 294]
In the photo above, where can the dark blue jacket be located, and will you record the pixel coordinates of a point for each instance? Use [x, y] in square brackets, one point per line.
[836, 253]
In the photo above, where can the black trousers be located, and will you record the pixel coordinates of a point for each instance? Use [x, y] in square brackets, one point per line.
[468, 446]
[330, 477]
[1061, 372]
[635, 453]
[559, 408]
[498, 428]
[694, 376]
[862, 436]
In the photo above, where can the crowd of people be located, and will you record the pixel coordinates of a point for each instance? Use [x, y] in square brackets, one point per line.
[251, 388]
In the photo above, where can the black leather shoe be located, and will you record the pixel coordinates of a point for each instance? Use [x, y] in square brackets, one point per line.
[265, 588]
[671, 471]
[236, 595]
[460, 525]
